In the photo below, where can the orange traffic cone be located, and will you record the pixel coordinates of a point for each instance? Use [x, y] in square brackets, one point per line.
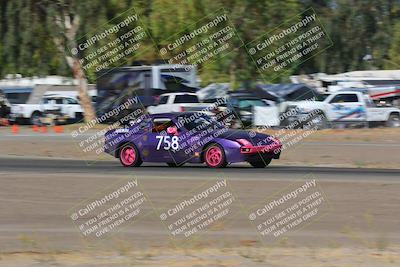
[44, 129]
[15, 129]
[35, 128]
[58, 129]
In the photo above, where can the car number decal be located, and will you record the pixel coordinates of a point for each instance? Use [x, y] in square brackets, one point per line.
[168, 144]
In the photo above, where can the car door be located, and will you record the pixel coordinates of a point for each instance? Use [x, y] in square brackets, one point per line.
[59, 104]
[347, 107]
[51, 104]
[47, 104]
[267, 115]
[164, 104]
[158, 144]
[233, 107]
[373, 112]
[160, 106]
[71, 107]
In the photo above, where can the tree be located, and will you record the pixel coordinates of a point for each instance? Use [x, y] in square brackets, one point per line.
[68, 22]
[357, 28]
[394, 51]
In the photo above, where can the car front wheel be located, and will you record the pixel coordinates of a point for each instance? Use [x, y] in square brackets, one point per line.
[129, 156]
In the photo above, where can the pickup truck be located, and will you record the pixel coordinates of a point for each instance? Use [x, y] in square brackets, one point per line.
[68, 106]
[344, 107]
[177, 102]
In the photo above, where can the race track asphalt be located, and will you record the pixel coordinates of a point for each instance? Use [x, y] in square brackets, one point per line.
[37, 195]
[241, 171]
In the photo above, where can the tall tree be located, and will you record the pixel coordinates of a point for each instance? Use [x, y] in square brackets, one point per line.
[393, 62]
[67, 21]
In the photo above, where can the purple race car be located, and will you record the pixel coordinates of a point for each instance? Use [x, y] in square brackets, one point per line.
[190, 137]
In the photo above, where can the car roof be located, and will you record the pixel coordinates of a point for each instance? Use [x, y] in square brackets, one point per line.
[246, 97]
[238, 93]
[241, 94]
[348, 91]
[180, 93]
[58, 96]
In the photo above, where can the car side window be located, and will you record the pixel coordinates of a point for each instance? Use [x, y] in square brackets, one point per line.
[246, 103]
[186, 99]
[369, 102]
[163, 100]
[71, 101]
[345, 98]
[144, 124]
[50, 101]
[233, 102]
[161, 124]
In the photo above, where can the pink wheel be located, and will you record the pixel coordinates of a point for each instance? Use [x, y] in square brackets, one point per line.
[128, 156]
[215, 156]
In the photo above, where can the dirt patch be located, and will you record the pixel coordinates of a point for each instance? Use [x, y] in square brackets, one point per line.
[240, 256]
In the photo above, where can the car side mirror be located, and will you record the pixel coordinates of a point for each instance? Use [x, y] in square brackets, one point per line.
[172, 130]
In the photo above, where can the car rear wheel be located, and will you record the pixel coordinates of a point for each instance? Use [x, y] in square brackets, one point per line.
[214, 156]
[393, 121]
[260, 164]
[35, 118]
[129, 156]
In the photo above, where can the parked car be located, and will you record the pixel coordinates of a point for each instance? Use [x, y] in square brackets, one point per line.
[242, 106]
[189, 137]
[345, 107]
[69, 107]
[177, 102]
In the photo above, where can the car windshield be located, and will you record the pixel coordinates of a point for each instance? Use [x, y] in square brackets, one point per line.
[196, 121]
[320, 97]
[246, 103]
[186, 99]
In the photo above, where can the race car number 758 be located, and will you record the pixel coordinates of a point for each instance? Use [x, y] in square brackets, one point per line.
[167, 143]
